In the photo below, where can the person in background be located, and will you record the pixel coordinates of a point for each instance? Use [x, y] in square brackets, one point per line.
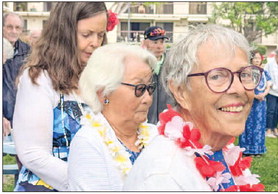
[117, 85]
[34, 36]
[12, 29]
[7, 53]
[154, 41]
[253, 137]
[208, 74]
[272, 98]
[47, 114]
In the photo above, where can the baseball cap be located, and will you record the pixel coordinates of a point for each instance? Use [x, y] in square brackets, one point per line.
[154, 33]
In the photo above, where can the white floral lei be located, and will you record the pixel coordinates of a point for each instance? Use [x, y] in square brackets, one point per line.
[118, 152]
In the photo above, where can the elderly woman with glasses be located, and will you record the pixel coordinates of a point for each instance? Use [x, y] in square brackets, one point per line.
[117, 85]
[209, 76]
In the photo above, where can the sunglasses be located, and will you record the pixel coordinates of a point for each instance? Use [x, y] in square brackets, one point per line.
[140, 89]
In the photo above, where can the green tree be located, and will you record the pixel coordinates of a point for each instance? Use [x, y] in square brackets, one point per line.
[253, 19]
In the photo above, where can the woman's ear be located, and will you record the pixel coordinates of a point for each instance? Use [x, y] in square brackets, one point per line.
[100, 95]
[181, 95]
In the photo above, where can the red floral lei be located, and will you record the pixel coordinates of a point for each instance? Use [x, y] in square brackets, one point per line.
[187, 137]
[112, 20]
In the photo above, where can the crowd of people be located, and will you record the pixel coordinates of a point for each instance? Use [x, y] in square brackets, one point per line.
[90, 116]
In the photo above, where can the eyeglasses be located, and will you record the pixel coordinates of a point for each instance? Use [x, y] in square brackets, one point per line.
[219, 80]
[10, 27]
[141, 88]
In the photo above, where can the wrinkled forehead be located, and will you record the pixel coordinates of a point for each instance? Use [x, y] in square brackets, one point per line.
[13, 20]
[217, 47]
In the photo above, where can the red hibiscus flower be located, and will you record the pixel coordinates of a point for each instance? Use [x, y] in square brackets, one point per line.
[112, 20]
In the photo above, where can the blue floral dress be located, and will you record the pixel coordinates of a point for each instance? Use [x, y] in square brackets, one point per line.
[66, 123]
[253, 138]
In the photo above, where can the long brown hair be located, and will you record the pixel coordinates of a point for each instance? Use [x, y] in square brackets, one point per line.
[56, 50]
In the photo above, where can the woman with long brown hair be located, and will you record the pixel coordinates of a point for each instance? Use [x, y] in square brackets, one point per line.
[47, 111]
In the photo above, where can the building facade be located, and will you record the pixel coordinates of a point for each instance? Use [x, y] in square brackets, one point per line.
[175, 17]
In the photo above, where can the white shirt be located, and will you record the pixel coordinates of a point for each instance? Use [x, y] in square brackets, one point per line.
[272, 68]
[33, 129]
[163, 166]
[91, 166]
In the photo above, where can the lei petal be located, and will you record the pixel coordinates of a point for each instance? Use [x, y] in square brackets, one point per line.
[172, 126]
[165, 117]
[234, 154]
[248, 187]
[240, 165]
[207, 167]
[202, 151]
[245, 179]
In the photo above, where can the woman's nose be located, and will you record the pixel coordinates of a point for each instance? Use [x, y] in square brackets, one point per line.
[237, 86]
[95, 41]
[147, 98]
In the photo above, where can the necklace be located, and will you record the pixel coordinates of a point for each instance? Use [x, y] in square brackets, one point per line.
[117, 151]
[187, 137]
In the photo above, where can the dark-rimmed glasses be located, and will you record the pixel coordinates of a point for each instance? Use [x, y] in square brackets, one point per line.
[140, 89]
[219, 80]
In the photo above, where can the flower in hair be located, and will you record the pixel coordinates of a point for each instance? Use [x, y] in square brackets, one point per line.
[112, 20]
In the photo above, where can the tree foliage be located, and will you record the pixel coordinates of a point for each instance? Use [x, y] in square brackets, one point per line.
[253, 19]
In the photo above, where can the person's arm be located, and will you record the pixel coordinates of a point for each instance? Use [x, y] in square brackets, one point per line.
[6, 126]
[87, 166]
[33, 131]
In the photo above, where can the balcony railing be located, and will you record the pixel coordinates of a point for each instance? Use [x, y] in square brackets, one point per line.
[137, 36]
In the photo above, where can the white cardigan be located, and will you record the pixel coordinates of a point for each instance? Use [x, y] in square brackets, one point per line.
[163, 166]
[33, 129]
[90, 165]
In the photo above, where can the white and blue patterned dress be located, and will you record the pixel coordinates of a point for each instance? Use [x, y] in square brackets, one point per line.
[66, 123]
[253, 138]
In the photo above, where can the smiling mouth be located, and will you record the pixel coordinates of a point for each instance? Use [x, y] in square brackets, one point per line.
[233, 109]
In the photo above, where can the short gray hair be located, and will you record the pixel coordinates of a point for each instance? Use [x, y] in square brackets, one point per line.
[14, 14]
[182, 57]
[105, 70]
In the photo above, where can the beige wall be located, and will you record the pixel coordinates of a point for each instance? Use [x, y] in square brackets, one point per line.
[180, 18]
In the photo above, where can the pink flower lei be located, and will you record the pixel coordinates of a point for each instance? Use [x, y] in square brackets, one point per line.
[187, 137]
[112, 20]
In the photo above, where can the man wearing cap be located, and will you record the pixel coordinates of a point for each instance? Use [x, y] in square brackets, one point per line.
[154, 38]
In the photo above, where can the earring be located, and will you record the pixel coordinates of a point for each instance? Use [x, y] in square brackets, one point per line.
[106, 101]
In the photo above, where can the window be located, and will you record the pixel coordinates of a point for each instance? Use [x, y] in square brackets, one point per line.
[140, 8]
[191, 24]
[25, 25]
[47, 6]
[136, 31]
[197, 7]
[168, 27]
[165, 8]
[20, 6]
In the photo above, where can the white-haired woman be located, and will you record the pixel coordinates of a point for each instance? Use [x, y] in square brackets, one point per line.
[117, 85]
[209, 76]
